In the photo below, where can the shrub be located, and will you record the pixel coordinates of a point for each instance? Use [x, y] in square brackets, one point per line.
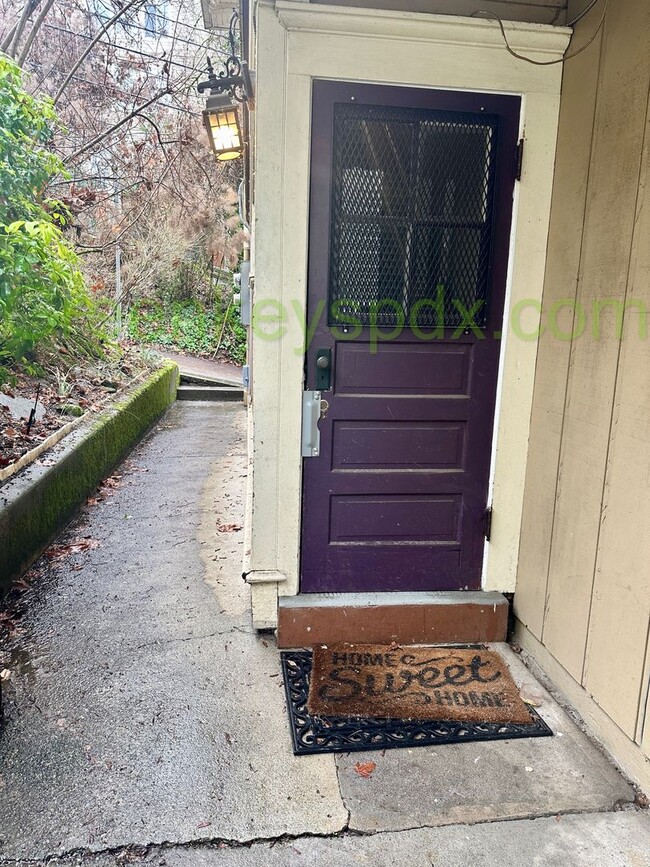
[189, 326]
[43, 297]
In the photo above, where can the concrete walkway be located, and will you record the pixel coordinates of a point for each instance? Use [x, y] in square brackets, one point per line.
[206, 369]
[145, 721]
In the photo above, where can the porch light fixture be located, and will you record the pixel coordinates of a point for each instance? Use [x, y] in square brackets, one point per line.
[233, 85]
[221, 119]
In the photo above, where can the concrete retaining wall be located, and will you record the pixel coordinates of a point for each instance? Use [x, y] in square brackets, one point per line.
[36, 504]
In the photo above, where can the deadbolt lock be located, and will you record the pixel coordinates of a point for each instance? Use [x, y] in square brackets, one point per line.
[324, 406]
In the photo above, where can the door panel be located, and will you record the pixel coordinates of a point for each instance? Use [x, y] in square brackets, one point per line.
[403, 368]
[394, 445]
[410, 212]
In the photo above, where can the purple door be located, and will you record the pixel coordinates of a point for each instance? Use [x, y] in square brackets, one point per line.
[411, 203]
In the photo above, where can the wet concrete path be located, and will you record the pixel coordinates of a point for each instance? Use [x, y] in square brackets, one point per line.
[145, 720]
[142, 706]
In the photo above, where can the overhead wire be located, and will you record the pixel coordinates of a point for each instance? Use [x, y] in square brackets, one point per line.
[158, 15]
[582, 14]
[117, 90]
[566, 57]
[128, 49]
[128, 24]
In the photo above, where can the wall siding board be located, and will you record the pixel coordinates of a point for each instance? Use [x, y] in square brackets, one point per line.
[577, 109]
[620, 609]
[613, 181]
[588, 521]
[645, 720]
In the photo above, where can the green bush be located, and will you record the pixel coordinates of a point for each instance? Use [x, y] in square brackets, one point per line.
[43, 297]
[188, 326]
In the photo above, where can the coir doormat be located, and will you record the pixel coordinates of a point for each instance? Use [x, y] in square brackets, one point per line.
[329, 711]
[470, 685]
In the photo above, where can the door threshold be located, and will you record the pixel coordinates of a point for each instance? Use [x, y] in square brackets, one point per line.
[445, 617]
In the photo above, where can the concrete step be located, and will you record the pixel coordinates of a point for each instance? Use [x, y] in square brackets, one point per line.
[459, 617]
[210, 392]
[204, 379]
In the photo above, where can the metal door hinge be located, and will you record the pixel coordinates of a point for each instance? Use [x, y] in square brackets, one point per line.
[519, 159]
[487, 523]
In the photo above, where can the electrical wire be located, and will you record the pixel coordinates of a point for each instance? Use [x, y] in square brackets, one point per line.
[582, 14]
[114, 89]
[547, 62]
[129, 50]
[127, 24]
[158, 15]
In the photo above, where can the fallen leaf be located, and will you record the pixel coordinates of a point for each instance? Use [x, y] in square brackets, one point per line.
[530, 695]
[111, 482]
[365, 769]
[58, 552]
[5, 674]
[228, 528]
[204, 824]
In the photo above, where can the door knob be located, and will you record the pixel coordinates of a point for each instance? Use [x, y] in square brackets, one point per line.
[323, 369]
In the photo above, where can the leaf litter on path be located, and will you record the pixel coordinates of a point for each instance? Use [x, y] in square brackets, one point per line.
[59, 552]
[104, 490]
[365, 769]
[228, 528]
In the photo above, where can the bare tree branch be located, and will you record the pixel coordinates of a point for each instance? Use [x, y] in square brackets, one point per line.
[120, 123]
[6, 43]
[36, 26]
[130, 225]
[91, 45]
[12, 47]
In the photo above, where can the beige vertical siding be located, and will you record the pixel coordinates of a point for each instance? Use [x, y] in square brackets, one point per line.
[583, 585]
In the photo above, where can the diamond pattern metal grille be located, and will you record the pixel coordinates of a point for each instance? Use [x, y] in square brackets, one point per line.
[412, 206]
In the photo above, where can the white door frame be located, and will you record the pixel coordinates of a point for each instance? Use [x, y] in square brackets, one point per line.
[297, 42]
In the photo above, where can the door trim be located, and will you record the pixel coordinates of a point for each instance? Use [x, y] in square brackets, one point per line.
[424, 51]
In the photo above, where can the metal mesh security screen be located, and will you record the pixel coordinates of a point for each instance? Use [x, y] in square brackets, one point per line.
[412, 202]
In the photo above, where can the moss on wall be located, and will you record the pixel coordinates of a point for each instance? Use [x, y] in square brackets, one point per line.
[41, 500]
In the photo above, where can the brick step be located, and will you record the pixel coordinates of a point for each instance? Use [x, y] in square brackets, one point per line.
[459, 617]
